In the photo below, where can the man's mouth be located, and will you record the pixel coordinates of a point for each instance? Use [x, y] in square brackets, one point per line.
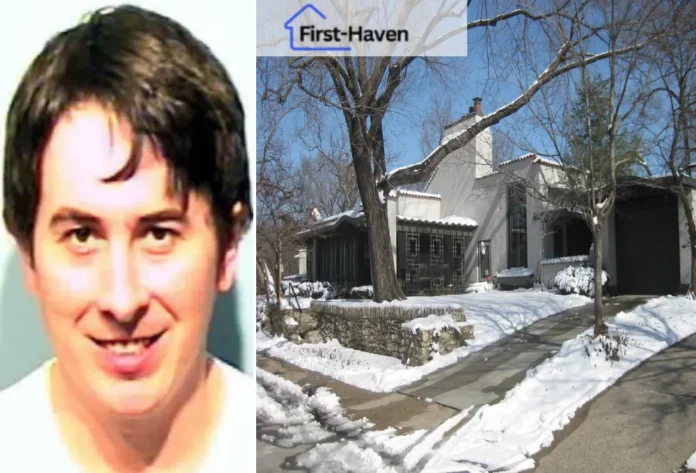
[131, 346]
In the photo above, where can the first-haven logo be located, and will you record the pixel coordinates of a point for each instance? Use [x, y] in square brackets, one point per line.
[327, 36]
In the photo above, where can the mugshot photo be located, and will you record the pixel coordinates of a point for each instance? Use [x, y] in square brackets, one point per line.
[127, 261]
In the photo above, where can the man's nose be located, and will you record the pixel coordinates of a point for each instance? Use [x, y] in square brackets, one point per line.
[122, 294]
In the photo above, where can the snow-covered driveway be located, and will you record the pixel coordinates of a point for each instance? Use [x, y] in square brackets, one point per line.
[493, 315]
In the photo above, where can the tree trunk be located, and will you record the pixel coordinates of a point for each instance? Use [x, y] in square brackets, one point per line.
[599, 327]
[385, 286]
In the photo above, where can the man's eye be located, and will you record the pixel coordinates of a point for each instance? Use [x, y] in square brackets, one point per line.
[80, 235]
[160, 238]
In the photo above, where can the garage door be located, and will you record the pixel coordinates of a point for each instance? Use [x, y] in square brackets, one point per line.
[647, 245]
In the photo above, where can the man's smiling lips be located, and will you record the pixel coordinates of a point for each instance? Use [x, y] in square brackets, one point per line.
[130, 356]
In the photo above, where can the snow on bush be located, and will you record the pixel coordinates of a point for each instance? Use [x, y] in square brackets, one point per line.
[315, 290]
[361, 292]
[478, 287]
[578, 280]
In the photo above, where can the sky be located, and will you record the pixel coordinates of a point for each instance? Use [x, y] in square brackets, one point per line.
[461, 79]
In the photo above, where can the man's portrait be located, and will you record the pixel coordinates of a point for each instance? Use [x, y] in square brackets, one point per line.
[126, 195]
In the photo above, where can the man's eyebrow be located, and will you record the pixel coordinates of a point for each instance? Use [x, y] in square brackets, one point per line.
[166, 215]
[71, 215]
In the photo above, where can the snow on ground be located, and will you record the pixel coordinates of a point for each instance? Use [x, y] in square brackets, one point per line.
[494, 315]
[502, 437]
[288, 416]
[691, 462]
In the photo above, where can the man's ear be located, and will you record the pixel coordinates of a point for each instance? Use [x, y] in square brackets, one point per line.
[228, 266]
[228, 269]
[28, 270]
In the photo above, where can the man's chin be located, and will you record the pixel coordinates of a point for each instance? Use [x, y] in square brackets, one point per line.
[132, 399]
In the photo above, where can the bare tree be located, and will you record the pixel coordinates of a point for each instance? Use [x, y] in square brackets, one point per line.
[585, 142]
[362, 90]
[279, 210]
[675, 58]
[433, 127]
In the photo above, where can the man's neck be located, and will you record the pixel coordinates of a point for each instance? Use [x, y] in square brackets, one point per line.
[175, 436]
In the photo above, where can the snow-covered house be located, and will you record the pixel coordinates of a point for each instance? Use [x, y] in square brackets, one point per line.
[473, 220]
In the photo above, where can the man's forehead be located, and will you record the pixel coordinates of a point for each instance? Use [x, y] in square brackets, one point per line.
[88, 146]
[91, 142]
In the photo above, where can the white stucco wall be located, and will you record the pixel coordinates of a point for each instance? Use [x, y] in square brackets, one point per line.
[24, 28]
[418, 206]
[684, 243]
[392, 205]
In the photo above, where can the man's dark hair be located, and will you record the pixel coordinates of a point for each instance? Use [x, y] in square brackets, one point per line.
[151, 72]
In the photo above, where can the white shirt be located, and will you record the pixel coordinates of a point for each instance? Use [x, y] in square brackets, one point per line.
[30, 441]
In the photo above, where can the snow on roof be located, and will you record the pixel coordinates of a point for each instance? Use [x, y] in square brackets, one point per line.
[547, 162]
[451, 221]
[419, 194]
[521, 158]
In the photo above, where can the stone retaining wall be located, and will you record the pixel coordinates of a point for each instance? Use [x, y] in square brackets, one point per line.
[373, 328]
[377, 328]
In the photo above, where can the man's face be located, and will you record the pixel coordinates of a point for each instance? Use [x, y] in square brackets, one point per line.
[125, 279]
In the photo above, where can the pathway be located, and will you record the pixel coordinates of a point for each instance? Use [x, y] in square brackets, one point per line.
[485, 376]
[645, 423]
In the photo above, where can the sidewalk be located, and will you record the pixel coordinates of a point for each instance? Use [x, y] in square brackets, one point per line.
[646, 423]
[397, 410]
[485, 376]
[385, 410]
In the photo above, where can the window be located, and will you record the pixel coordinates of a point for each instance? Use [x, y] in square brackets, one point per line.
[517, 226]
[484, 259]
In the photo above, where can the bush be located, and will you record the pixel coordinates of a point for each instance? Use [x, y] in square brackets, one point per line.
[361, 292]
[578, 280]
[315, 290]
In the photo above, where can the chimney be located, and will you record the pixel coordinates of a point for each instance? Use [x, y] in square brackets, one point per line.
[477, 105]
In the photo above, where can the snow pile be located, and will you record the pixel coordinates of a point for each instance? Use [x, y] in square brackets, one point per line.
[493, 315]
[514, 273]
[287, 416]
[432, 322]
[503, 437]
[578, 280]
[566, 259]
[477, 287]
[691, 462]
[361, 292]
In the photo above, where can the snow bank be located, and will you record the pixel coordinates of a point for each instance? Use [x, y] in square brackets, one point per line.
[287, 416]
[493, 315]
[291, 416]
[503, 437]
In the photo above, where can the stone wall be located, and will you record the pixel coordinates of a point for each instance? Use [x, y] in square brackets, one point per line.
[373, 328]
[419, 347]
[293, 324]
[377, 328]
